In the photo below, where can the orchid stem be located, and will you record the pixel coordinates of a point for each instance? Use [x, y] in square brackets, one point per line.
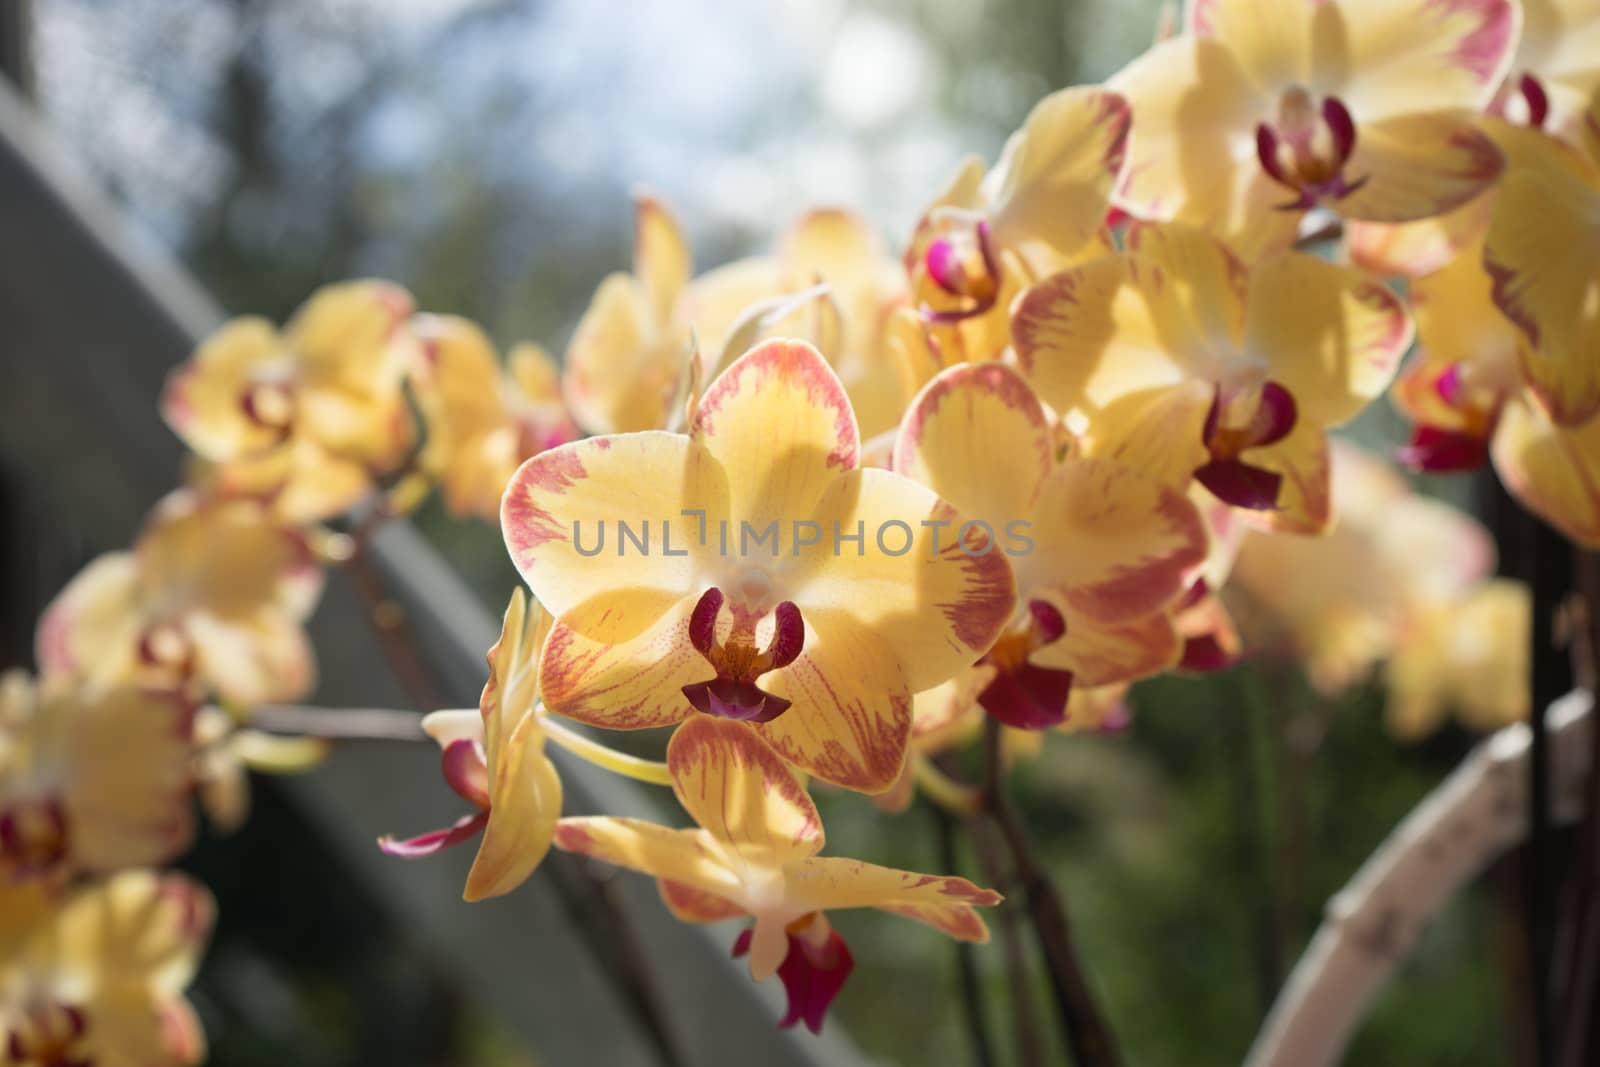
[380, 724]
[944, 791]
[640, 770]
[337, 724]
[1090, 1039]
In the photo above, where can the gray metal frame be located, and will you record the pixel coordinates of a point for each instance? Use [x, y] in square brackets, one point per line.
[91, 319]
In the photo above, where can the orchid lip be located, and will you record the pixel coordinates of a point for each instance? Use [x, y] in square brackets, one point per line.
[1290, 155]
[1241, 484]
[34, 837]
[813, 971]
[1229, 478]
[1435, 450]
[733, 693]
[1022, 694]
[943, 267]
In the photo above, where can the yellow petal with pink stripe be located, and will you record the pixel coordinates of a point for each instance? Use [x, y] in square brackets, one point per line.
[978, 437]
[1052, 184]
[1111, 542]
[1543, 252]
[1332, 336]
[851, 719]
[1554, 472]
[689, 857]
[780, 426]
[1416, 166]
[945, 903]
[620, 661]
[565, 512]
[742, 794]
[930, 582]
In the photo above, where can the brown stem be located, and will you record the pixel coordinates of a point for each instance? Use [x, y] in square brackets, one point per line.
[972, 999]
[1583, 980]
[339, 724]
[1019, 974]
[1086, 1032]
[388, 617]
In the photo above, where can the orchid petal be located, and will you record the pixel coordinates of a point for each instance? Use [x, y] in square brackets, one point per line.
[742, 794]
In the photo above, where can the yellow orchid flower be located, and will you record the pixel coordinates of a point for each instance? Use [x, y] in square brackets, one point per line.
[1104, 550]
[1471, 654]
[1184, 363]
[1371, 587]
[100, 979]
[988, 235]
[1551, 78]
[628, 353]
[754, 546]
[755, 854]
[90, 781]
[1557, 64]
[483, 421]
[214, 592]
[308, 416]
[494, 758]
[1263, 109]
[1543, 252]
[1472, 399]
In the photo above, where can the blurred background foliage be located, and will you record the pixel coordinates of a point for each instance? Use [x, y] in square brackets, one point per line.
[482, 152]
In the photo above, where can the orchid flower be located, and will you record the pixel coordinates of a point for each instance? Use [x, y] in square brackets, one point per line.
[215, 593]
[494, 758]
[90, 781]
[308, 417]
[768, 578]
[1184, 363]
[1110, 549]
[989, 234]
[1543, 254]
[1400, 577]
[755, 854]
[482, 420]
[99, 978]
[1264, 109]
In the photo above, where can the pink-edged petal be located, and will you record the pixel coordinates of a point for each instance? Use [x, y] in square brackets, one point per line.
[434, 841]
[1329, 335]
[1407, 56]
[563, 516]
[944, 902]
[978, 437]
[1101, 654]
[1112, 542]
[1554, 472]
[742, 794]
[692, 905]
[1416, 166]
[92, 625]
[850, 723]
[780, 426]
[690, 858]
[622, 670]
[1052, 184]
[934, 612]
